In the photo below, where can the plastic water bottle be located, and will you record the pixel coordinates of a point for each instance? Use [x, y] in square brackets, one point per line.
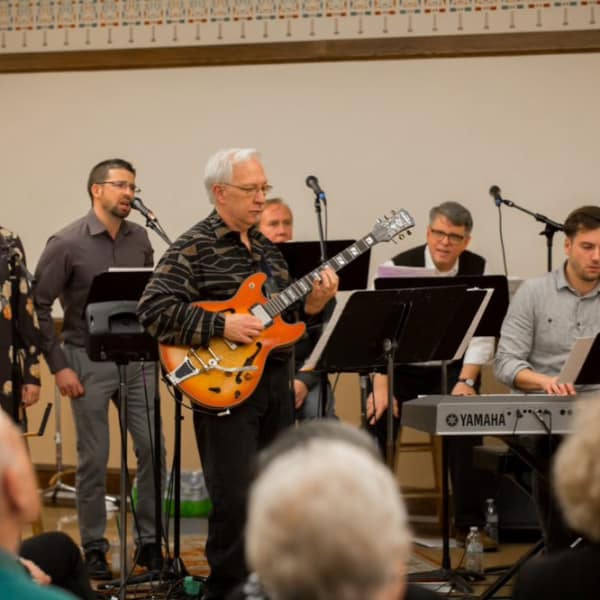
[491, 520]
[474, 551]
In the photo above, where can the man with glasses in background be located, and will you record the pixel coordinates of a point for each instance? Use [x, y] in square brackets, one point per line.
[210, 262]
[102, 239]
[445, 253]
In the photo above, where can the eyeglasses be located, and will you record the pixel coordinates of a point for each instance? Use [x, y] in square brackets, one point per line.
[123, 185]
[251, 190]
[453, 238]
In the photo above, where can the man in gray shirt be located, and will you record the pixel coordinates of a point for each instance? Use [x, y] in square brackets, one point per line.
[549, 313]
[72, 258]
[543, 321]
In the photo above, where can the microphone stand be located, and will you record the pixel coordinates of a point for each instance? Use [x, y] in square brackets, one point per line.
[158, 229]
[551, 227]
[323, 384]
[177, 566]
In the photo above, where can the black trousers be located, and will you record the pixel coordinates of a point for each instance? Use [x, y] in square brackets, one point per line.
[470, 486]
[56, 554]
[228, 446]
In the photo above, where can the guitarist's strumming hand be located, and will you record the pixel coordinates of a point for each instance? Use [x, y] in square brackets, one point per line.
[242, 328]
[322, 292]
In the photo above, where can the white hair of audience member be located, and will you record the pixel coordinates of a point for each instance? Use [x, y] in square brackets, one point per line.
[326, 521]
[219, 167]
[577, 471]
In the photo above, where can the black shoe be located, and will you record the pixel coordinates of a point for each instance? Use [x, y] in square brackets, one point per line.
[149, 556]
[96, 564]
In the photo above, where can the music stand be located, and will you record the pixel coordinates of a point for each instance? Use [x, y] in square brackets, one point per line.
[114, 334]
[581, 366]
[454, 339]
[490, 322]
[408, 321]
[304, 257]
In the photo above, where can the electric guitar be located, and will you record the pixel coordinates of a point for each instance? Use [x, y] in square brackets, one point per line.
[224, 373]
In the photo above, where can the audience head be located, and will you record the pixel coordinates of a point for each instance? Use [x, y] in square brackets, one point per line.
[448, 233]
[577, 472]
[326, 520]
[277, 221]
[19, 498]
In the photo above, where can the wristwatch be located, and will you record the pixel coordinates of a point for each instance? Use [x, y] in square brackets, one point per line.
[469, 382]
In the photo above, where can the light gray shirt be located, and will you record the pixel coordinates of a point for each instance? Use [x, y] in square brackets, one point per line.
[543, 321]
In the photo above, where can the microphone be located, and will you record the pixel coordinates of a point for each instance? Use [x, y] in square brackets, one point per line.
[495, 194]
[313, 183]
[138, 205]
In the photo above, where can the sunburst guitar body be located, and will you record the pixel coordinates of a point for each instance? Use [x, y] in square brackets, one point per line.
[225, 373]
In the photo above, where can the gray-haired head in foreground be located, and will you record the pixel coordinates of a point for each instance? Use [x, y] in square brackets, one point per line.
[325, 521]
[577, 471]
[219, 167]
[456, 213]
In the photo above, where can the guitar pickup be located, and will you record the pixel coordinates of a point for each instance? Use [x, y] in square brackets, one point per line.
[184, 371]
[258, 310]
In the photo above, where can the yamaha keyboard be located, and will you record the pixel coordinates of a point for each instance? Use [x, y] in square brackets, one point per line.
[506, 414]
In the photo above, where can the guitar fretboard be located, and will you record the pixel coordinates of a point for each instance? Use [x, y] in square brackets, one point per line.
[302, 287]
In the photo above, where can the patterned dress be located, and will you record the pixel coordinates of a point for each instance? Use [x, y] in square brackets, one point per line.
[25, 342]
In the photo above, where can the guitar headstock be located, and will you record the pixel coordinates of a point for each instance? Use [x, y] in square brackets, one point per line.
[387, 228]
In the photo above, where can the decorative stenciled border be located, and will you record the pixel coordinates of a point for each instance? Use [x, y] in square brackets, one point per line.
[40, 35]
[54, 15]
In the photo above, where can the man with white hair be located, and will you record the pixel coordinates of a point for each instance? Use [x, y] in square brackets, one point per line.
[19, 505]
[210, 262]
[326, 520]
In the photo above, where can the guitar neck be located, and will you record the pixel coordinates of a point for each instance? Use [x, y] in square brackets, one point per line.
[301, 288]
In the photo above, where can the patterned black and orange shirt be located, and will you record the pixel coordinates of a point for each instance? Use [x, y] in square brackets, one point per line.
[26, 340]
[208, 262]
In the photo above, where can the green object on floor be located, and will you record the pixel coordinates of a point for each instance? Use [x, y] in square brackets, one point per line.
[191, 586]
[194, 500]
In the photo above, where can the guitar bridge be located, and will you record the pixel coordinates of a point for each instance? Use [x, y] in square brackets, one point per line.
[187, 369]
[184, 371]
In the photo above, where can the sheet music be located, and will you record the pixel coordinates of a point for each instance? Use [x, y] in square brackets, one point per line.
[474, 323]
[575, 360]
[341, 299]
[390, 270]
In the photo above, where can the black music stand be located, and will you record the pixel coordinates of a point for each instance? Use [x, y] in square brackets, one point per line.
[304, 257]
[581, 366]
[452, 343]
[398, 323]
[114, 334]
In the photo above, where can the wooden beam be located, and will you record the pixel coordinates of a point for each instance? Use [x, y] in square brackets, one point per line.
[550, 42]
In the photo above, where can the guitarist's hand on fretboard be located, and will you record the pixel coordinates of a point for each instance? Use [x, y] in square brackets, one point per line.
[242, 328]
[322, 292]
